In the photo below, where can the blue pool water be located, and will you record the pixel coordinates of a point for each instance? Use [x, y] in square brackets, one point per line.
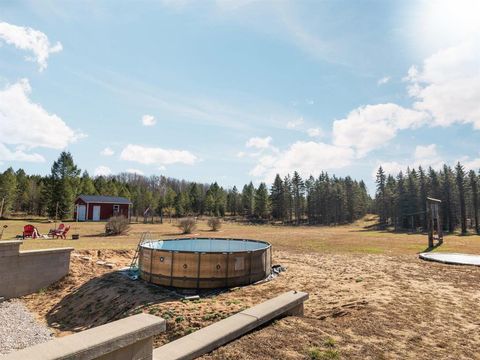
[205, 245]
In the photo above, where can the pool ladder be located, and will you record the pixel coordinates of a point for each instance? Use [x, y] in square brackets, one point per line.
[145, 237]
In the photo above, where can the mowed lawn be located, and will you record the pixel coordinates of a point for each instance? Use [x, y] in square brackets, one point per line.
[353, 238]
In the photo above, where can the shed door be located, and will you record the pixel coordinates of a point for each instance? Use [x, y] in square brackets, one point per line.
[96, 213]
[81, 212]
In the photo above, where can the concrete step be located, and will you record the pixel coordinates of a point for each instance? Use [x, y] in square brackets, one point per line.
[224, 331]
[130, 338]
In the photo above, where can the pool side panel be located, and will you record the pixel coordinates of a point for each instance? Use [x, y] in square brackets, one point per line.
[185, 269]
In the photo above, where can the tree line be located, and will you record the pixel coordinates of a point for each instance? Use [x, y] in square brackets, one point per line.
[400, 201]
[293, 200]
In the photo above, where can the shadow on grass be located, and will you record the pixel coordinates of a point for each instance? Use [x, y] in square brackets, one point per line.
[103, 299]
[431, 248]
[383, 230]
[97, 235]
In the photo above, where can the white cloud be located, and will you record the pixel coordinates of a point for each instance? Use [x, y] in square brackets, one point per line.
[389, 167]
[155, 155]
[102, 171]
[445, 90]
[315, 132]
[383, 80]
[448, 85]
[135, 171]
[425, 152]
[26, 38]
[424, 156]
[148, 120]
[372, 126]
[295, 123]
[469, 163]
[107, 152]
[27, 125]
[259, 143]
[473, 164]
[308, 158]
[18, 155]
[241, 154]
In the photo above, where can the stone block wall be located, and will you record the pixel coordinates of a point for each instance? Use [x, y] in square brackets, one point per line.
[25, 272]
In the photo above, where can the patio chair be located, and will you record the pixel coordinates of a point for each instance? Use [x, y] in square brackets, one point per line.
[61, 232]
[60, 229]
[28, 231]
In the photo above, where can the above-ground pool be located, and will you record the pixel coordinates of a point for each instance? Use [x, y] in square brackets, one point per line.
[204, 263]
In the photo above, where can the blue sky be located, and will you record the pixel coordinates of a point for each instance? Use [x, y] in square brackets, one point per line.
[238, 90]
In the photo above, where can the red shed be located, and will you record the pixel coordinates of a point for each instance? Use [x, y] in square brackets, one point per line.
[98, 208]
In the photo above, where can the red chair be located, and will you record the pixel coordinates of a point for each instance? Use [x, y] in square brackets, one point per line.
[64, 234]
[28, 231]
[61, 232]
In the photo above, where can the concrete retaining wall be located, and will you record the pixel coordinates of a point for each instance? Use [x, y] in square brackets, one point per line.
[24, 272]
[126, 339]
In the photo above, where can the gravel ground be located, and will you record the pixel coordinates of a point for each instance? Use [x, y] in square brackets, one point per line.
[18, 327]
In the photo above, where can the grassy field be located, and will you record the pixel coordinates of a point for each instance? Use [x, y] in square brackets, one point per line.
[354, 238]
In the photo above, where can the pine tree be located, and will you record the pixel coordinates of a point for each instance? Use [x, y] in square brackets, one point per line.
[381, 201]
[100, 183]
[124, 192]
[448, 204]
[460, 178]
[181, 204]
[364, 202]
[391, 201]
[402, 204]
[474, 187]
[234, 202]
[86, 185]
[20, 203]
[196, 198]
[215, 200]
[110, 188]
[168, 202]
[413, 202]
[64, 186]
[287, 191]
[312, 203]
[262, 203]
[248, 199]
[8, 191]
[423, 194]
[298, 191]
[277, 199]
[33, 195]
[350, 194]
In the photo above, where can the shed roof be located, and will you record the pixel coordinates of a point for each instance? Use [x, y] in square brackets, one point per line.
[104, 199]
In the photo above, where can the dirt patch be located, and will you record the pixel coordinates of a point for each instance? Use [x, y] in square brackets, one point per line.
[361, 306]
[372, 306]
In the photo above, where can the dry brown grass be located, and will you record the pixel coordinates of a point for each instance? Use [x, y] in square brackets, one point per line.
[369, 292]
[354, 238]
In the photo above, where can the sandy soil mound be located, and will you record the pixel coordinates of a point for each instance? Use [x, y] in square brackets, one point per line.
[93, 294]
